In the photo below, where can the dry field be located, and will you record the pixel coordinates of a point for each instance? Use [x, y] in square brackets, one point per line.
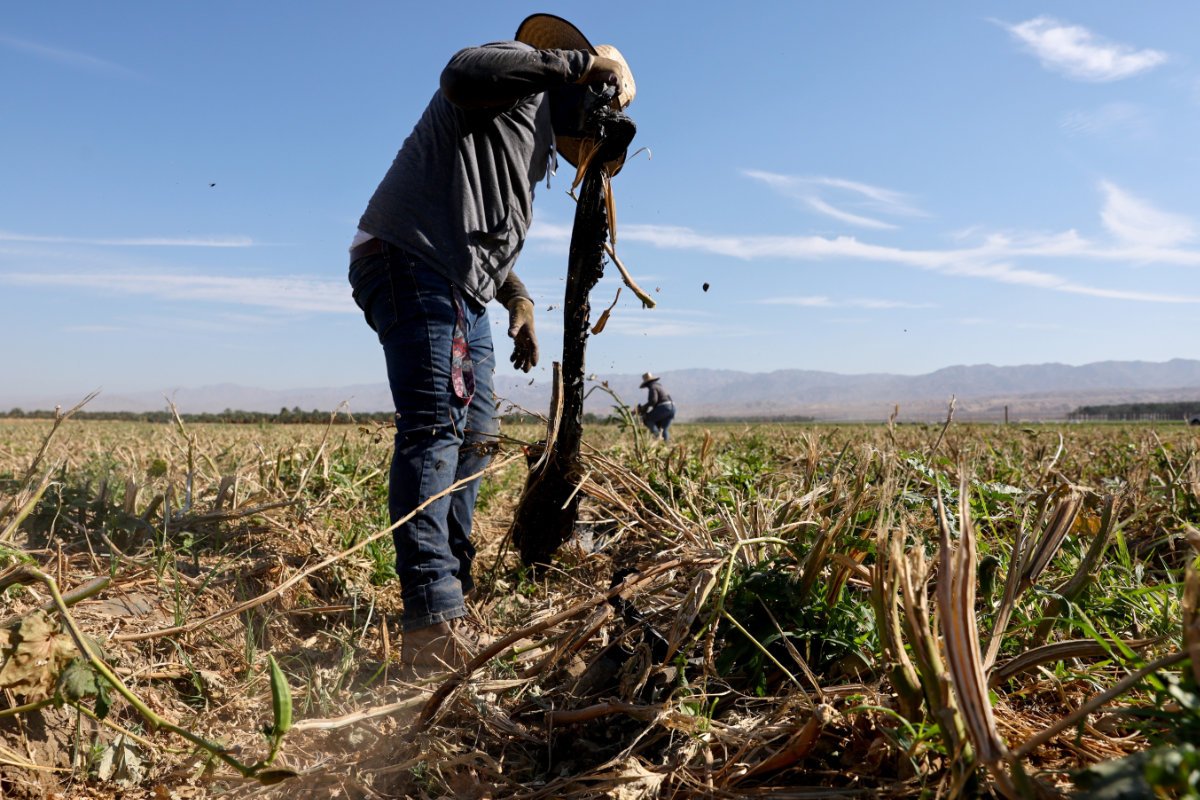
[788, 610]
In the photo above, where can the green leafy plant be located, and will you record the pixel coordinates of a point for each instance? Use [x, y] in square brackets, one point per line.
[776, 621]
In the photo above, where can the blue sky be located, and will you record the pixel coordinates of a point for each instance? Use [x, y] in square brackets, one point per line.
[866, 187]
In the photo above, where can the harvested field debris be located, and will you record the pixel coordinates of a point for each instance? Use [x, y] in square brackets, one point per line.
[886, 610]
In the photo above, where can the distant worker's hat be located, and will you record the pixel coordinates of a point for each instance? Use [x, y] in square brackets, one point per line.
[548, 32]
[647, 378]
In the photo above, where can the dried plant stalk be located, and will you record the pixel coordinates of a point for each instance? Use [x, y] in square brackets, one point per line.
[699, 591]
[797, 747]
[885, 596]
[1052, 537]
[1049, 653]
[1027, 561]
[935, 684]
[1012, 591]
[1078, 582]
[1191, 617]
[960, 633]
[647, 300]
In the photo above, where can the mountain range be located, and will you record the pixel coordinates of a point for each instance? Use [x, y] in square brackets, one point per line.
[982, 391]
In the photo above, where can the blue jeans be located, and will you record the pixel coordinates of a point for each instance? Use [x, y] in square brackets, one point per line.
[439, 438]
[658, 419]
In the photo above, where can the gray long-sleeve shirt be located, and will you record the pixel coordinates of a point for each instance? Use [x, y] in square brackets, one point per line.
[459, 194]
[656, 395]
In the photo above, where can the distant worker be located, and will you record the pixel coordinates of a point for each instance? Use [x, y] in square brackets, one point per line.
[658, 410]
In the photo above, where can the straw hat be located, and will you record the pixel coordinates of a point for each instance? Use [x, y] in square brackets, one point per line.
[548, 32]
[647, 378]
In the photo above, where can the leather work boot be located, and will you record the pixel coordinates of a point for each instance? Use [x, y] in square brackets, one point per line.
[469, 631]
[432, 650]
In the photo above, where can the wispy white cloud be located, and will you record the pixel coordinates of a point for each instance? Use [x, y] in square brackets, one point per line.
[60, 55]
[154, 323]
[1140, 234]
[635, 321]
[1134, 221]
[992, 260]
[146, 241]
[1120, 118]
[254, 320]
[822, 207]
[658, 329]
[821, 301]
[294, 294]
[834, 197]
[1078, 53]
[549, 237]
[549, 232]
[667, 323]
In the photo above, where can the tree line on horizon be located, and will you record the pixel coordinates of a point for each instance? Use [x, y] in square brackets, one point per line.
[1117, 412]
[1185, 410]
[285, 416]
[231, 416]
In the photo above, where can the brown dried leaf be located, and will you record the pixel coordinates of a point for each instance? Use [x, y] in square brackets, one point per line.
[35, 652]
[631, 780]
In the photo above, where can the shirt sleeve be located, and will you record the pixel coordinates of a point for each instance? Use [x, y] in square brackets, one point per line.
[511, 289]
[499, 75]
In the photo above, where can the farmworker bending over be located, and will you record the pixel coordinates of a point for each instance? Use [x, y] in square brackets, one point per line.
[658, 410]
[436, 243]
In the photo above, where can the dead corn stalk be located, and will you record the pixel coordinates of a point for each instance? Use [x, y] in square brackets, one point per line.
[487, 654]
[913, 573]
[1049, 653]
[1061, 521]
[885, 597]
[960, 638]
[1056, 606]
[1027, 561]
[1191, 617]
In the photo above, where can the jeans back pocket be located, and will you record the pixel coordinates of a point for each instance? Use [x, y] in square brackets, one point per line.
[371, 282]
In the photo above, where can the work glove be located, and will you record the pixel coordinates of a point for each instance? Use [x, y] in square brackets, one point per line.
[520, 330]
[602, 70]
